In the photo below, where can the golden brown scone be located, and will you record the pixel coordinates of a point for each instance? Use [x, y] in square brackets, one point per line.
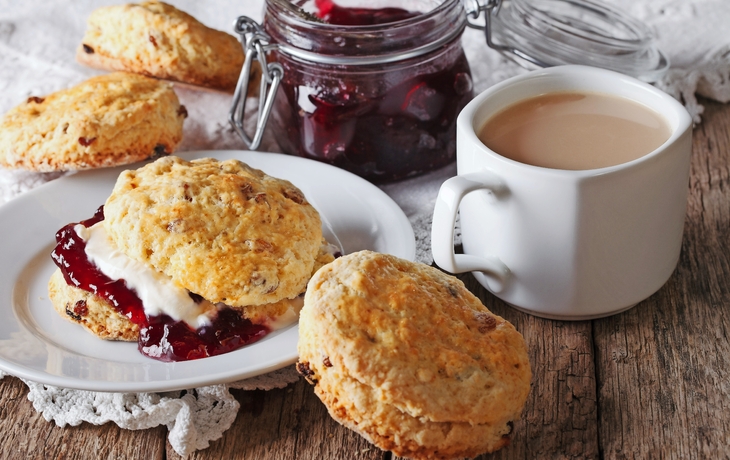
[89, 310]
[263, 314]
[325, 255]
[406, 356]
[157, 39]
[108, 120]
[223, 230]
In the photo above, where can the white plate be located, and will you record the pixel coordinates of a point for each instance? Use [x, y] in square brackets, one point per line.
[37, 344]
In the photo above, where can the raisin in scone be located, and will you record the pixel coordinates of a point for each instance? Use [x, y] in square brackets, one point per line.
[225, 234]
[157, 39]
[109, 120]
[89, 310]
[406, 356]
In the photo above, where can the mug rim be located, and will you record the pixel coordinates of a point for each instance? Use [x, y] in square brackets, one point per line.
[466, 120]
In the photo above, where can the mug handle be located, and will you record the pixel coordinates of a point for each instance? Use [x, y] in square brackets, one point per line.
[442, 229]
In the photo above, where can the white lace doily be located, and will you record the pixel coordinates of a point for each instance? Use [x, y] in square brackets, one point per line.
[193, 417]
[38, 39]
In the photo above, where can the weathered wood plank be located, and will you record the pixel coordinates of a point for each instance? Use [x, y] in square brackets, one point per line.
[560, 416]
[27, 435]
[285, 424]
[664, 367]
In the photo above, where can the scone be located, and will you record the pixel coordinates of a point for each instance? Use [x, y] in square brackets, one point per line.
[109, 120]
[157, 39]
[406, 356]
[89, 310]
[190, 240]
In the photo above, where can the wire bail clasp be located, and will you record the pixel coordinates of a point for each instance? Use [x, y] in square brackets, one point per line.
[474, 8]
[256, 43]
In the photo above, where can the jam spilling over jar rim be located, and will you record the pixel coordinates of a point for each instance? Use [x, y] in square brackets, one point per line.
[161, 337]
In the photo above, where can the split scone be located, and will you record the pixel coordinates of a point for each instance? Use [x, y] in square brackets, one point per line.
[406, 356]
[190, 258]
[109, 120]
[156, 39]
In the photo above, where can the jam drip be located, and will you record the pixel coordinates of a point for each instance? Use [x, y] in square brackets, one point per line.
[331, 13]
[161, 337]
[168, 340]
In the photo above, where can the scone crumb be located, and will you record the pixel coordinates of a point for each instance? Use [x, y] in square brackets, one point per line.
[191, 221]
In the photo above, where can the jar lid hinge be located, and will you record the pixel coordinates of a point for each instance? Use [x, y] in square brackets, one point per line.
[474, 9]
[255, 45]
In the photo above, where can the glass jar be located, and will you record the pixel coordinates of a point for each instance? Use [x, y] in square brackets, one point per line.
[379, 100]
[377, 90]
[543, 33]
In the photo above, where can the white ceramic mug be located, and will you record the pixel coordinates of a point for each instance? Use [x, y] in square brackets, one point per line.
[565, 244]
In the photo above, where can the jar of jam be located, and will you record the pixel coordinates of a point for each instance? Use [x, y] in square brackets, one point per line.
[371, 87]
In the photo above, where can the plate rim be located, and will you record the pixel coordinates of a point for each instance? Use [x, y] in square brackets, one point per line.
[76, 382]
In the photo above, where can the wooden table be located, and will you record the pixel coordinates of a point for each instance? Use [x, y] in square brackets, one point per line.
[653, 382]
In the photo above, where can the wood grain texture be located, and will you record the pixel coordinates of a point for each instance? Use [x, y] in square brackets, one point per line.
[560, 419]
[664, 366]
[285, 424]
[27, 435]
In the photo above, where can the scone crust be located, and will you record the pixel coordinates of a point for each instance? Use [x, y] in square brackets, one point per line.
[89, 310]
[401, 351]
[157, 39]
[265, 313]
[223, 230]
[357, 406]
[109, 120]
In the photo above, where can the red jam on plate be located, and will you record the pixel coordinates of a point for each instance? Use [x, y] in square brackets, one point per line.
[160, 337]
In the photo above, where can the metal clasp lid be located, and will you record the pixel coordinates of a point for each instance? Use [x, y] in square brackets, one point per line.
[256, 43]
[545, 33]
[474, 9]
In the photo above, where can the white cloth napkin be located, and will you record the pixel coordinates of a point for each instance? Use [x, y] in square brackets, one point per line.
[38, 39]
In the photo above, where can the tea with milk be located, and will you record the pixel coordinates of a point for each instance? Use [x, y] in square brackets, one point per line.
[575, 131]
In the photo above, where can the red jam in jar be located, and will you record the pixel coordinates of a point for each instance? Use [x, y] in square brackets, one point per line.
[375, 91]
[161, 337]
[331, 13]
